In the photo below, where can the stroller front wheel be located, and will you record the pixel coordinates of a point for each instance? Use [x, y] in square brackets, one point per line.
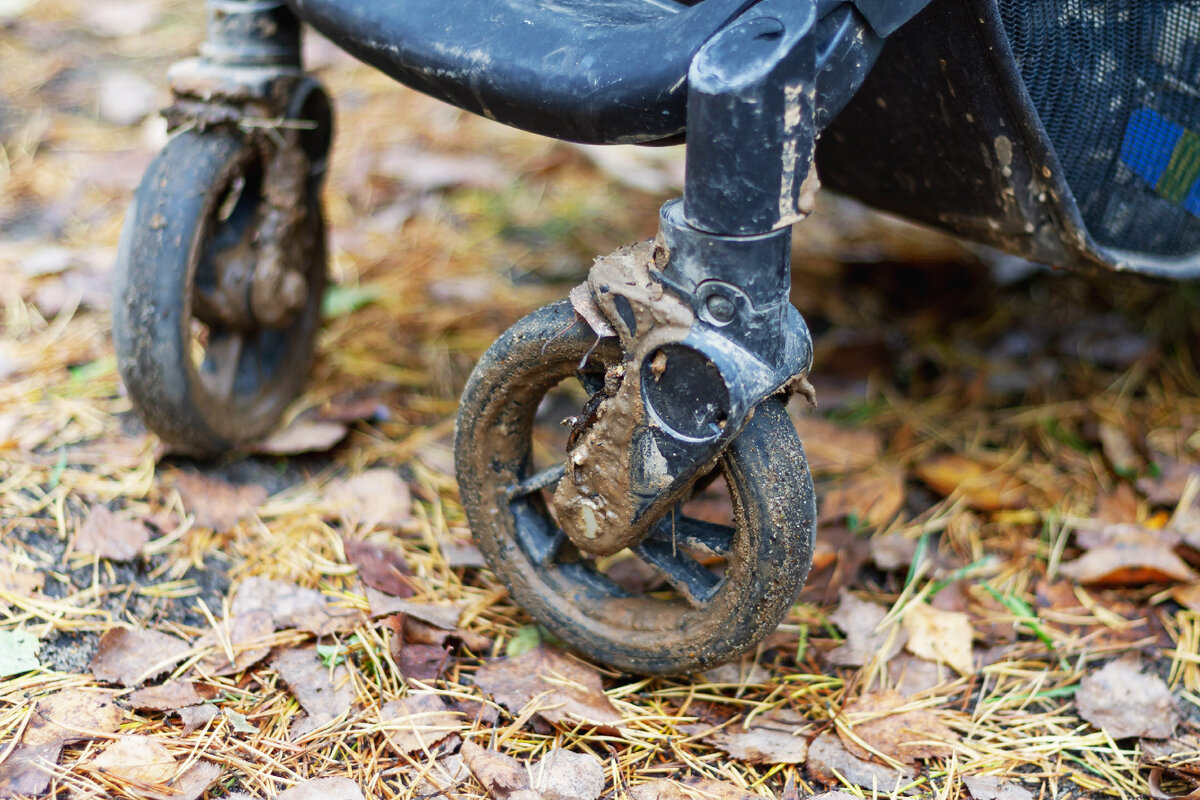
[722, 587]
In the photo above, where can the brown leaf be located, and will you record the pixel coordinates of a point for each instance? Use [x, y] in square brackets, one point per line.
[170, 696]
[893, 551]
[441, 776]
[1128, 565]
[105, 534]
[690, 789]
[137, 759]
[292, 606]
[564, 775]
[303, 435]
[859, 619]
[418, 632]
[1119, 448]
[1119, 505]
[500, 775]
[829, 761]
[218, 505]
[418, 722]
[420, 662]
[247, 636]
[1125, 702]
[194, 717]
[906, 735]
[911, 675]
[586, 307]
[832, 448]
[761, 745]
[323, 693]
[1168, 487]
[59, 719]
[18, 579]
[380, 568]
[985, 487]
[323, 789]
[941, 636]
[377, 497]
[129, 656]
[983, 787]
[574, 690]
[874, 497]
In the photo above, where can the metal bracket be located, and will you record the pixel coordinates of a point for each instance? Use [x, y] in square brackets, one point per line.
[703, 315]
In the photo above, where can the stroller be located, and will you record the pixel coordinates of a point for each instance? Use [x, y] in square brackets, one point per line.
[1063, 131]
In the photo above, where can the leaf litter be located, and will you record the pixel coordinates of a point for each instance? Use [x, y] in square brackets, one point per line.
[977, 444]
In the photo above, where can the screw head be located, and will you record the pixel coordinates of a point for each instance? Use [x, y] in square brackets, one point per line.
[720, 308]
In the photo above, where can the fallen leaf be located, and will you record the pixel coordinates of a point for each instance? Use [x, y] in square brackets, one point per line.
[323, 789]
[247, 636]
[761, 745]
[859, 619]
[1168, 487]
[1119, 505]
[59, 719]
[1119, 449]
[324, 694]
[105, 534]
[441, 776]
[745, 671]
[420, 662]
[18, 652]
[137, 759]
[292, 606]
[500, 775]
[194, 717]
[690, 789]
[1125, 554]
[238, 722]
[129, 656]
[377, 497]
[941, 636]
[985, 487]
[380, 568]
[303, 436]
[573, 690]
[416, 631]
[564, 775]
[893, 551]
[881, 720]
[218, 505]
[874, 497]
[589, 311]
[170, 696]
[831, 448]
[911, 675]
[985, 787]
[418, 722]
[18, 579]
[829, 761]
[1124, 701]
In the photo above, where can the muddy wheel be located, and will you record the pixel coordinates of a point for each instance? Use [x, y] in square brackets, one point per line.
[210, 359]
[704, 592]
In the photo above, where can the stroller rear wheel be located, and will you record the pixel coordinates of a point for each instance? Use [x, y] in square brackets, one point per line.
[218, 289]
[721, 588]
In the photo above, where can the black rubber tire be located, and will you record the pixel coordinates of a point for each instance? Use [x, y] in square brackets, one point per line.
[173, 218]
[764, 467]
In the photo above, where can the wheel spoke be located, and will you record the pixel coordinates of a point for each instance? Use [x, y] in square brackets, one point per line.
[679, 531]
[225, 352]
[536, 482]
[537, 534]
[685, 574]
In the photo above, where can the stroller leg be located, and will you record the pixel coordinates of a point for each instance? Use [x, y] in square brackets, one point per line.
[223, 250]
[705, 319]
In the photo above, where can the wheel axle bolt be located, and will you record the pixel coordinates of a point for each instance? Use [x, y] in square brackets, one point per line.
[720, 308]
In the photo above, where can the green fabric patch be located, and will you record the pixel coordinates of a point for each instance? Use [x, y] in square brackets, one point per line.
[1182, 170]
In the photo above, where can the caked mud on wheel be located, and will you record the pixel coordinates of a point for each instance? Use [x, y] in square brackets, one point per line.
[218, 288]
[698, 616]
